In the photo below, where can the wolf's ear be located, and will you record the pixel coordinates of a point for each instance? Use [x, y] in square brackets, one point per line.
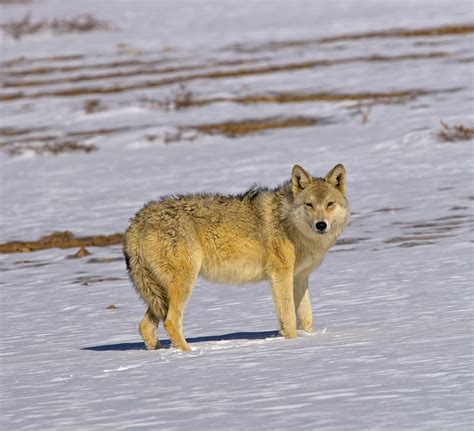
[337, 177]
[300, 179]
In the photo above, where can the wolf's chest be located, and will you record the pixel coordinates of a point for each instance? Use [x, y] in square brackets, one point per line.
[308, 263]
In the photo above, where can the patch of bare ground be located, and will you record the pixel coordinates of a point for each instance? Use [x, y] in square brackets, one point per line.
[466, 60]
[82, 252]
[10, 131]
[51, 148]
[63, 240]
[10, 2]
[92, 106]
[86, 280]
[186, 98]
[388, 209]
[20, 61]
[78, 24]
[429, 231]
[183, 97]
[350, 241]
[239, 128]
[456, 132]
[220, 74]
[142, 67]
[445, 30]
[69, 136]
[104, 259]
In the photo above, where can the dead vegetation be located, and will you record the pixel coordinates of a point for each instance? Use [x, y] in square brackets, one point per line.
[82, 252]
[181, 98]
[365, 100]
[50, 148]
[456, 132]
[65, 239]
[217, 74]
[10, 2]
[92, 106]
[17, 136]
[446, 30]
[375, 97]
[78, 24]
[239, 128]
[87, 280]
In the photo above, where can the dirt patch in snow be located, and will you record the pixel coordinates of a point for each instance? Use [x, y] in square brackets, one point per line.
[217, 74]
[233, 129]
[65, 239]
[456, 132]
[77, 24]
[445, 30]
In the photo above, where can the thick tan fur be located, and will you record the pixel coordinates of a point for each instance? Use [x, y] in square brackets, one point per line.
[263, 234]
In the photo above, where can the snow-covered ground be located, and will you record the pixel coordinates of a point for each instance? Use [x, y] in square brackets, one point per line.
[393, 347]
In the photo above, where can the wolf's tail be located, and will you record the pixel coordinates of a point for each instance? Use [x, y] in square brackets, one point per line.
[146, 283]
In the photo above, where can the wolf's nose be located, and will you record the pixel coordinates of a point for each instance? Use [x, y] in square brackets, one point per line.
[321, 226]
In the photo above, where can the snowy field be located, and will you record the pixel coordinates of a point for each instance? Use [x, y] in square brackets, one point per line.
[393, 302]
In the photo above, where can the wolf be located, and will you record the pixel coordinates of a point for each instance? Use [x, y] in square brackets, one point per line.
[278, 234]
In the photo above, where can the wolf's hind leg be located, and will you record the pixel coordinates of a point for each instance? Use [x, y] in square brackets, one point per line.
[148, 327]
[179, 293]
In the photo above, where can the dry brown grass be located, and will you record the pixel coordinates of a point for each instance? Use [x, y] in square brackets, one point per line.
[295, 97]
[9, 2]
[364, 99]
[456, 132]
[63, 239]
[50, 148]
[239, 128]
[92, 106]
[219, 74]
[181, 98]
[78, 24]
[445, 30]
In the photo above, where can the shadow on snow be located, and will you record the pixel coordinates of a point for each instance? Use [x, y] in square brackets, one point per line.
[167, 344]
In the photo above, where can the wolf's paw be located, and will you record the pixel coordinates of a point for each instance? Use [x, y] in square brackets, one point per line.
[304, 333]
[288, 334]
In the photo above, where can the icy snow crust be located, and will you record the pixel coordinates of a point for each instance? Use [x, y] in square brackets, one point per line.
[393, 304]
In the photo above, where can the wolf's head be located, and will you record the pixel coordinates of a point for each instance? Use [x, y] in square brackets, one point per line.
[319, 204]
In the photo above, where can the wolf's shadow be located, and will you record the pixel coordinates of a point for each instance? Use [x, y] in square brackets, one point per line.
[167, 344]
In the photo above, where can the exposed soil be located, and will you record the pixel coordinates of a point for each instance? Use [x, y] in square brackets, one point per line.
[104, 259]
[50, 148]
[187, 99]
[234, 129]
[73, 135]
[428, 231]
[142, 66]
[456, 132]
[78, 24]
[64, 239]
[219, 74]
[90, 279]
[10, 2]
[92, 106]
[446, 30]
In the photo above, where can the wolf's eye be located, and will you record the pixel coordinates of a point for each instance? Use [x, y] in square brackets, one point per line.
[308, 204]
[330, 204]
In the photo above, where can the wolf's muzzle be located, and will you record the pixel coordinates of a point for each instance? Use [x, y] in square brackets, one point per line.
[321, 226]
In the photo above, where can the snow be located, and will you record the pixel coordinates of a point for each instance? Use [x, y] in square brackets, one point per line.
[393, 346]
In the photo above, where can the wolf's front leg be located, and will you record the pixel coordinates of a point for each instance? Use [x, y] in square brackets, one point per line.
[282, 289]
[304, 312]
